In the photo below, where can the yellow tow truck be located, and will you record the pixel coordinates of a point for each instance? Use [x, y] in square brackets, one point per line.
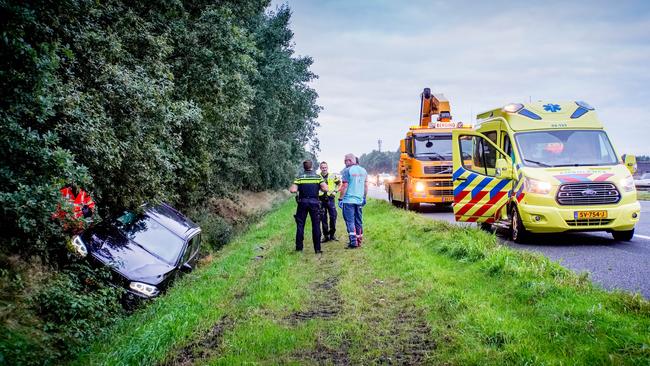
[425, 167]
[543, 168]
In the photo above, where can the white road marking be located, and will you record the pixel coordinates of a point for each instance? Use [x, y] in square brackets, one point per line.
[642, 236]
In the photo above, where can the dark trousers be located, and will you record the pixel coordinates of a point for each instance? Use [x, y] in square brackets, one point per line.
[328, 207]
[313, 208]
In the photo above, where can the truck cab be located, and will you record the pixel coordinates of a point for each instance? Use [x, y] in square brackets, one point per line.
[425, 165]
[543, 168]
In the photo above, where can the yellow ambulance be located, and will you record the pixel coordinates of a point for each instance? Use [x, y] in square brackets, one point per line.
[543, 168]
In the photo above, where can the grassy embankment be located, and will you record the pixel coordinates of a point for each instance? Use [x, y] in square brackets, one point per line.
[643, 195]
[418, 291]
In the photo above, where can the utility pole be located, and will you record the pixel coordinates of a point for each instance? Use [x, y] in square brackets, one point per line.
[379, 144]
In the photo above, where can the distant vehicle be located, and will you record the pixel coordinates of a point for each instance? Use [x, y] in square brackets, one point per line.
[643, 182]
[385, 177]
[144, 251]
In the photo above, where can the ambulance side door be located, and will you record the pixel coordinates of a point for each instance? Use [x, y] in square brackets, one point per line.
[479, 195]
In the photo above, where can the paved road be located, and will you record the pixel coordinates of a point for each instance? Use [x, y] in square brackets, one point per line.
[612, 264]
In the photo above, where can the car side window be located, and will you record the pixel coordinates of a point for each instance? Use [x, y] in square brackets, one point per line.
[192, 248]
[196, 245]
[483, 155]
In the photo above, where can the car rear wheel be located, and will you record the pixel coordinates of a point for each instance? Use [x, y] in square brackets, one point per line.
[518, 232]
[625, 235]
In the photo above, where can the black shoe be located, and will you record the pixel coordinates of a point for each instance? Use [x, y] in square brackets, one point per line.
[319, 252]
[325, 240]
[350, 246]
[333, 238]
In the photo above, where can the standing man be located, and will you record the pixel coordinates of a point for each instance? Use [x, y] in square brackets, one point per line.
[327, 202]
[308, 185]
[352, 198]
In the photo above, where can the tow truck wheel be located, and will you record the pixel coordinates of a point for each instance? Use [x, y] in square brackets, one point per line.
[390, 197]
[408, 206]
[406, 201]
[626, 235]
[518, 232]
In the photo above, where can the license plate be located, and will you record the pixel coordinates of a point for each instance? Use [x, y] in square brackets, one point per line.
[589, 215]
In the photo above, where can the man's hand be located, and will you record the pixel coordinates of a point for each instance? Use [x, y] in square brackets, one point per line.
[340, 204]
[364, 201]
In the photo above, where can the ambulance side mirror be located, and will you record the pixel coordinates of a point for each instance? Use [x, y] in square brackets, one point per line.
[402, 146]
[630, 163]
[504, 169]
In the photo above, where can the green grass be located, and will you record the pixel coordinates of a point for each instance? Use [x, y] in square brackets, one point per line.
[418, 291]
[643, 195]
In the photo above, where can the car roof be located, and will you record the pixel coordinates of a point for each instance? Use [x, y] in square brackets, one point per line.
[173, 220]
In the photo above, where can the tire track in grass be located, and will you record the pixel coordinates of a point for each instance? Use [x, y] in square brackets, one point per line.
[209, 344]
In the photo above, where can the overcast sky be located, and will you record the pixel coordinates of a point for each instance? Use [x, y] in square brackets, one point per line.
[374, 57]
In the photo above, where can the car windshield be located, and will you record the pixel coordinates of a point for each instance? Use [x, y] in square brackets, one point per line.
[432, 147]
[565, 148]
[153, 237]
[645, 176]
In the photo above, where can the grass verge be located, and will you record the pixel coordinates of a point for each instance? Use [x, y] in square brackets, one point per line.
[418, 291]
[643, 195]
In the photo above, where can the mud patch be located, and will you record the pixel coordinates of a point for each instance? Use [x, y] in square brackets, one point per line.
[203, 348]
[414, 338]
[327, 303]
[323, 354]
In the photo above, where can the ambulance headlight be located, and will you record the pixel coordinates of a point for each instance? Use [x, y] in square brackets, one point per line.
[537, 186]
[144, 289]
[513, 107]
[419, 187]
[79, 247]
[627, 184]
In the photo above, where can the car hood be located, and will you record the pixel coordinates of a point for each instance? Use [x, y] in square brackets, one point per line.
[110, 247]
[582, 174]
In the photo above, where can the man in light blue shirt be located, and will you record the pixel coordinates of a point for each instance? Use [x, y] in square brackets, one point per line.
[352, 198]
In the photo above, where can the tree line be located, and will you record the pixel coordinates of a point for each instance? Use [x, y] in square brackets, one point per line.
[144, 101]
[377, 162]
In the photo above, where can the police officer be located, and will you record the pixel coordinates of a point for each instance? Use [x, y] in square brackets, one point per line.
[308, 185]
[327, 203]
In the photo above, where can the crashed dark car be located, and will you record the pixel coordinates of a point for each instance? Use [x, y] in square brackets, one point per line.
[144, 251]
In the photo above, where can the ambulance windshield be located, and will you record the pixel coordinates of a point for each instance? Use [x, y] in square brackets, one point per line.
[432, 147]
[565, 148]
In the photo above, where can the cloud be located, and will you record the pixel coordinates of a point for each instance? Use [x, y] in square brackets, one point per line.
[374, 58]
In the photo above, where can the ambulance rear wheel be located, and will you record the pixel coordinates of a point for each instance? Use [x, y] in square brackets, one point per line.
[626, 235]
[518, 232]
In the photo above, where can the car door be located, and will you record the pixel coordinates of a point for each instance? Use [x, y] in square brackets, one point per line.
[479, 195]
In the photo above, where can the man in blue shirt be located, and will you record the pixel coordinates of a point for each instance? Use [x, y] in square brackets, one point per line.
[352, 198]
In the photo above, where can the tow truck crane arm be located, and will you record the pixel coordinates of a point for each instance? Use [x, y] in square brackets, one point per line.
[431, 104]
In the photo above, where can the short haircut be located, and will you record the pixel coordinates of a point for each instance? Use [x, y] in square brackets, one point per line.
[307, 164]
[323, 162]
